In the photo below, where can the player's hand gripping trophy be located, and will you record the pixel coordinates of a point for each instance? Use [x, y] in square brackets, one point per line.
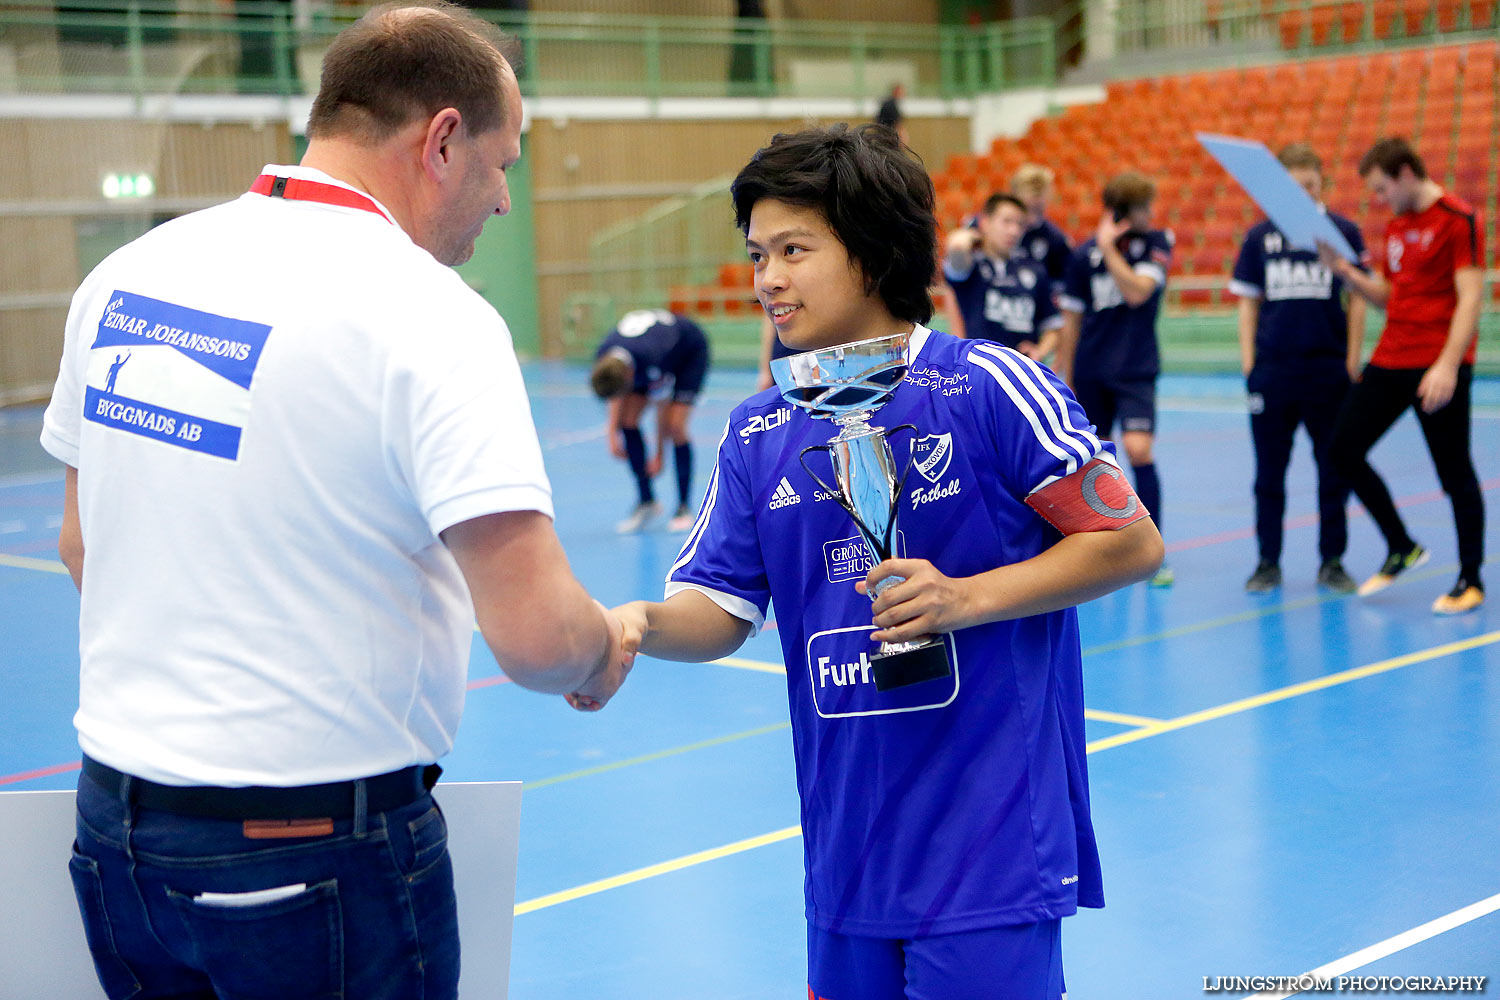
[848, 384]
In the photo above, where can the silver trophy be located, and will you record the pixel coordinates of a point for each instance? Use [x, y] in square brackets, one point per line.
[847, 384]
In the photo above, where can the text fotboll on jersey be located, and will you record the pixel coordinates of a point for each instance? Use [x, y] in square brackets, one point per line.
[173, 374]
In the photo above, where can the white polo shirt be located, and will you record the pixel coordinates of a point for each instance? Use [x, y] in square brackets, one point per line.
[274, 407]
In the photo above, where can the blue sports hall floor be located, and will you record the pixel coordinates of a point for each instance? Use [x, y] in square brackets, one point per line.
[1282, 783]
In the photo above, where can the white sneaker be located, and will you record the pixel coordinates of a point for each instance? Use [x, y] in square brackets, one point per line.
[682, 520]
[642, 515]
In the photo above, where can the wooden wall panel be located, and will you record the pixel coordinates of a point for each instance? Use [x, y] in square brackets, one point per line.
[588, 175]
[55, 161]
[30, 346]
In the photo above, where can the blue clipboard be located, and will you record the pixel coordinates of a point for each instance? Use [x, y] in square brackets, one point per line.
[1289, 207]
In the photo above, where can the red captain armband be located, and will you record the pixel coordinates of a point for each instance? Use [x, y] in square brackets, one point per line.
[1095, 498]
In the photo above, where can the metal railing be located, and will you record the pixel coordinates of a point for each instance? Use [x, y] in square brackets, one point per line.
[257, 46]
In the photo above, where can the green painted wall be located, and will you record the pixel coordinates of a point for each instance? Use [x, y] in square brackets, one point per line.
[504, 266]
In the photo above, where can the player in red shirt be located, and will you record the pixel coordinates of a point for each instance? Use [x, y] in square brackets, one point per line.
[1430, 290]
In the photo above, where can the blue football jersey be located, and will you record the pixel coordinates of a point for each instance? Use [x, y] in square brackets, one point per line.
[1117, 341]
[1302, 313]
[1049, 246]
[951, 804]
[1007, 301]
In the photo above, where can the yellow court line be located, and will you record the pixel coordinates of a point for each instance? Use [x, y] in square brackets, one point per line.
[1135, 735]
[1123, 718]
[1292, 691]
[23, 562]
[640, 874]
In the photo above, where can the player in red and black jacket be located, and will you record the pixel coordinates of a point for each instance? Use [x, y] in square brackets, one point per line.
[1430, 289]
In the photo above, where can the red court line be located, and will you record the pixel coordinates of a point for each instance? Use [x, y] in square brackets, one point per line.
[1307, 520]
[41, 772]
[485, 682]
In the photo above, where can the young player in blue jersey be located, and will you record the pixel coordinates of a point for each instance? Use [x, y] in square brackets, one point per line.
[1299, 349]
[1107, 351]
[946, 823]
[652, 351]
[1042, 241]
[1002, 294]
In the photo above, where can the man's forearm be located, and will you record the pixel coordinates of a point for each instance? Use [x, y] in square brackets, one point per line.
[1462, 329]
[1356, 347]
[1248, 319]
[1135, 288]
[1369, 287]
[569, 645]
[1067, 346]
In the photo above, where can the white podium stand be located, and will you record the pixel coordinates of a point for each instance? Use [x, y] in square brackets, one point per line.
[42, 951]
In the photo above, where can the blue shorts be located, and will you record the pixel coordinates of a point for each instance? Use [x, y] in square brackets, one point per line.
[1132, 402]
[1022, 962]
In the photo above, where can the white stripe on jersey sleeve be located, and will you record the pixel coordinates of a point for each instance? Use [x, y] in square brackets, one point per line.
[1154, 271]
[710, 496]
[1070, 303]
[736, 606]
[1244, 289]
[1080, 439]
[958, 274]
[1027, 411]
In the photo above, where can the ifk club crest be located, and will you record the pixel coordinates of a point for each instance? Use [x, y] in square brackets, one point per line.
[931, 455]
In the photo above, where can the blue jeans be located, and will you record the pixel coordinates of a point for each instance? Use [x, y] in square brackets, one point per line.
[366, 912]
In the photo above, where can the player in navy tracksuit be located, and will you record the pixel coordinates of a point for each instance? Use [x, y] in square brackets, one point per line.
[1002, 294]
[648, 351]
[1107, 351]
[946, 822]
[1299, 349]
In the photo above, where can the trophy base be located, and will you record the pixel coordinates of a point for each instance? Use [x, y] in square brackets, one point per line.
[926, 662]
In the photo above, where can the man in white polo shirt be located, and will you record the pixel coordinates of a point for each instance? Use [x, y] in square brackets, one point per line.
[277, 514]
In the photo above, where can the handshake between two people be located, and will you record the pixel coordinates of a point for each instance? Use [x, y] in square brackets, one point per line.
[691, 627]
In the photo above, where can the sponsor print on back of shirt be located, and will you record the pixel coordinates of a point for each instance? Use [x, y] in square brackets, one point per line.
[173, 374]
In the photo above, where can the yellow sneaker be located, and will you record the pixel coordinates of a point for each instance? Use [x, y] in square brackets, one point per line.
[1395, 564]
[1463, 597]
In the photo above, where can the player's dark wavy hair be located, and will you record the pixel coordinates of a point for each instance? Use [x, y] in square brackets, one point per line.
[875, 195]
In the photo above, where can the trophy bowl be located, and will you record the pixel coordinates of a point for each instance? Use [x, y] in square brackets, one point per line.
[848, 383]
[849, 378]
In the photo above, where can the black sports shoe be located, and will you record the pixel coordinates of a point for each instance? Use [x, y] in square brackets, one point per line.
[1395, 563]
[1267, 577]
[1331, 575]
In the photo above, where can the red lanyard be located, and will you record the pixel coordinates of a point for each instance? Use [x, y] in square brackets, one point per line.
[295, 189]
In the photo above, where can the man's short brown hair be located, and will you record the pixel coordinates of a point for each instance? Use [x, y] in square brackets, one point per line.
[1300, 156]
[1128, 191]
[403, 61]
[1031, 179]
[1390, 155]
[610, 377]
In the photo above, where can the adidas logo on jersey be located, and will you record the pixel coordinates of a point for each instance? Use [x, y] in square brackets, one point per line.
[784, 496]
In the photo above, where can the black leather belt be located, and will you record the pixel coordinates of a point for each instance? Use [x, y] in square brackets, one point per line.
[333, 801]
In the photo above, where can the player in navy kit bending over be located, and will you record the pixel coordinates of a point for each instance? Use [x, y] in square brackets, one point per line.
[946, 822]
[645, 352]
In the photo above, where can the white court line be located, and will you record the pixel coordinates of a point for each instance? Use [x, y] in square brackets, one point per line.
[11, 527]
[1390, 946]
